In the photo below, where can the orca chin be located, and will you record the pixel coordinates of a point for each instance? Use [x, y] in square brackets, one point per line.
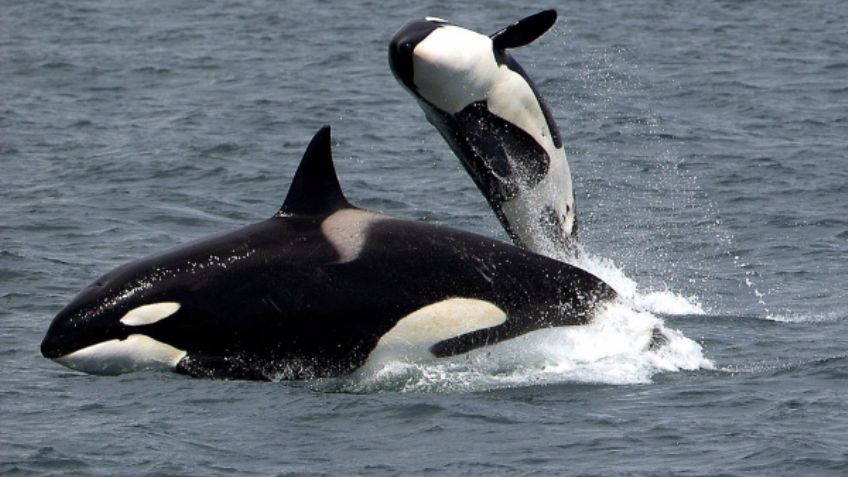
[135, 353]
[318, 289]
[494, 119]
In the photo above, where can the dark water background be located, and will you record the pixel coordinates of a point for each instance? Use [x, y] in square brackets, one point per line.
[709, 145]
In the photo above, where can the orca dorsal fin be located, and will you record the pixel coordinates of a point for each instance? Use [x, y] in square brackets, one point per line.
[524, 31]
[315, 189]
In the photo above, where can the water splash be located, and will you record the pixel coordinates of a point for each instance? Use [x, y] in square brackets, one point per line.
[665, 302]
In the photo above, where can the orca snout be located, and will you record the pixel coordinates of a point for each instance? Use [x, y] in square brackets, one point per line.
[52, 346]
[74, 329]
[62, 336]
[402, 48]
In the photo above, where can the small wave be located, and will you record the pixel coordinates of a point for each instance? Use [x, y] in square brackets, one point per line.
[82, 123]
[222, 149]
[791, 317]
[614, 349]
[152, 70]
[828, 365]
[57, 65]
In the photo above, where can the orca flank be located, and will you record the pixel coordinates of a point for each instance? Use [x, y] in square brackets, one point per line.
[316, 290]
[494, 119]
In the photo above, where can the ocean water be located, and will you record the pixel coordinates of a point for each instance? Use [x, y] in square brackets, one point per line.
[709, 147]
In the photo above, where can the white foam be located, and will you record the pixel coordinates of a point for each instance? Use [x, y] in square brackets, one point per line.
[665, 302]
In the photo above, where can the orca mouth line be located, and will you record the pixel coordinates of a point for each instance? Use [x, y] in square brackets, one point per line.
[117, 356]
[51, 353]
[57, 345]
[53, 347]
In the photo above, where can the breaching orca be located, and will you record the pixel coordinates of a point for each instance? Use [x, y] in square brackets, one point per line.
[315, 291]
[492, 116]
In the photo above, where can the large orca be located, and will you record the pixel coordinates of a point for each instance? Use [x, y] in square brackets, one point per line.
[492, 116]
[315, 291]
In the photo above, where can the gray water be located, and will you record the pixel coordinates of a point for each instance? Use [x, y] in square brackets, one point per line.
[709, 147]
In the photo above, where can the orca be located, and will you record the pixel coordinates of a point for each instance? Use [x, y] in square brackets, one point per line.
[317, 290]
[492, 116]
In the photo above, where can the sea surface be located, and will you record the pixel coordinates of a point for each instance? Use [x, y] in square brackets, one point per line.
[709, 146]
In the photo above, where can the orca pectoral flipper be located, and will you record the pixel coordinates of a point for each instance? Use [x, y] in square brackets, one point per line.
[506, 150]
[524, 31]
